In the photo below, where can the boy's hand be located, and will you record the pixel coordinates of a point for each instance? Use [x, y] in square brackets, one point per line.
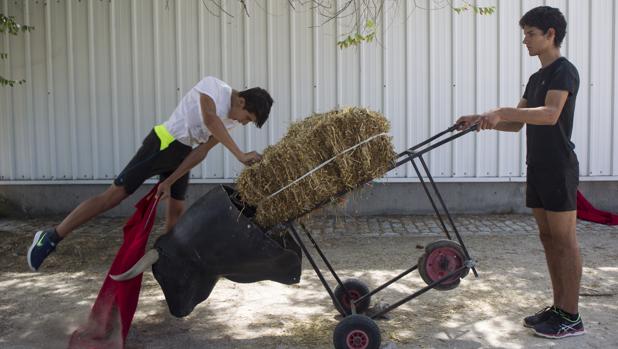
[250, 158]
[163, 192]
[489, 120]
[464, 122]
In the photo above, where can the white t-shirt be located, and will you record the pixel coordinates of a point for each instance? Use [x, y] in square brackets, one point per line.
[186, 123]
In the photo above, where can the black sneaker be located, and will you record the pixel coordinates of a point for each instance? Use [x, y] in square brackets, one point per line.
[41, 247]
[558, 325]
[540, 316]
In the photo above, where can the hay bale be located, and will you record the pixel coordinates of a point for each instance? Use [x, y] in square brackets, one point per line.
[306, 145]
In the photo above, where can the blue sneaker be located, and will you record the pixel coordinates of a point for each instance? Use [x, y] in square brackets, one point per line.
[558, 325]
[541, 316]
[41, 247]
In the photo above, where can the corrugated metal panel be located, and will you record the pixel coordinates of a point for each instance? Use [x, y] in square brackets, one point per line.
[578, 41]
[600, 87]
[614, 76]
[101, 73]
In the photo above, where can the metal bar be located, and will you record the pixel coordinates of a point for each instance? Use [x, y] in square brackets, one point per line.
[385, 285]
[316, 269]
[430, 197]
[324, 259]
[448, 215]
[446, 140]
[426, 141]
[419, 292]
[412, 153]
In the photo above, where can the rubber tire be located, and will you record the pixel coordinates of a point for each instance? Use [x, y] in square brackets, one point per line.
[357, 323]
[433, 245]
[422, 263]
[355, 286]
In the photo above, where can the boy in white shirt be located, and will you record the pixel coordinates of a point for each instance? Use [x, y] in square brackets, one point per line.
[202, 119]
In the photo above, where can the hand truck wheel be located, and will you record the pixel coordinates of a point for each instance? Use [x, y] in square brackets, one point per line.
[357, 332]
[441, 258]
[355, 290]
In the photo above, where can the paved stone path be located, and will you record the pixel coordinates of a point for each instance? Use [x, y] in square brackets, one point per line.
[346, 226]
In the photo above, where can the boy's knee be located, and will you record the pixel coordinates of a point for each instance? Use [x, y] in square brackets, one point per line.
[545, 236]
[114, 195]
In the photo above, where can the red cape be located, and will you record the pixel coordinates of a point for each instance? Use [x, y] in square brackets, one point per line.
[115, 305]
[587, 212]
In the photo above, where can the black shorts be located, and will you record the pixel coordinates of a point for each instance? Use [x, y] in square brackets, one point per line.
[552, 189]
[150, 161]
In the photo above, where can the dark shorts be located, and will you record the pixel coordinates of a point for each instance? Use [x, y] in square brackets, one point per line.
[150, 161]
[552, 189]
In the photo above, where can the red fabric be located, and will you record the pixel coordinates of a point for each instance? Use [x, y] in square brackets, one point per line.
[115, 305]
[587, 212]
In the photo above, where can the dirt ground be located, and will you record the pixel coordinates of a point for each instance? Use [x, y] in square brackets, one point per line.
[40, 310]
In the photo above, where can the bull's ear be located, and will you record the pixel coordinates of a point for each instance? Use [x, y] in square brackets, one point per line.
[150, 258]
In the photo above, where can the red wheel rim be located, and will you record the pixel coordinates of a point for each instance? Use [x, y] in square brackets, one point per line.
[357, 339]
[350, 296]
[442, 261]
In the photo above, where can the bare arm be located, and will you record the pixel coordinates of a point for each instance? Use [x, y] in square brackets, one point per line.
[545, 115]
[216, 127]
[513, 126]
[196, 156]
[465, 122]
[220, 133]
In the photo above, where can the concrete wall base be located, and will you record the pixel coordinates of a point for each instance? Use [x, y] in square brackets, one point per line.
[376, 199]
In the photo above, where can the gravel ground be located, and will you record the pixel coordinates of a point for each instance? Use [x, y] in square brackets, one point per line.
[40, 310]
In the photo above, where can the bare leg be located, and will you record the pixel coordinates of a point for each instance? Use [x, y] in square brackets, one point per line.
[91, 208]
[175, 209]
[540, 215]
[565, 256]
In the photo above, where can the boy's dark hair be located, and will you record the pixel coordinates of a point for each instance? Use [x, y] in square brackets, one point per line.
[258, 102]
[545, 17]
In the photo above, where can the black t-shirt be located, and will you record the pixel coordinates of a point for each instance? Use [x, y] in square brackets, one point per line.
[550, 146]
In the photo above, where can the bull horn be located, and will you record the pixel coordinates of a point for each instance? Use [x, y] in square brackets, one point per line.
[150, 258]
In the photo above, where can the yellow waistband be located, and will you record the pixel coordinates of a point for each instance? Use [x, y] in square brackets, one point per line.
[164, 136]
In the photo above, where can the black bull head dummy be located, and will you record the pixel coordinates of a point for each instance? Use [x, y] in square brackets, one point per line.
[215, 239]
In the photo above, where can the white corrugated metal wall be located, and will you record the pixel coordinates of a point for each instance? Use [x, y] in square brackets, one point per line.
[101, 73]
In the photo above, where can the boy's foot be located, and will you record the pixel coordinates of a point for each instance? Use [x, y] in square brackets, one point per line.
[42, 246]
[558, 325]
[540, 316]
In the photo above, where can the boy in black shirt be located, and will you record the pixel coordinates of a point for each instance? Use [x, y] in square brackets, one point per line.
[547, 109]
